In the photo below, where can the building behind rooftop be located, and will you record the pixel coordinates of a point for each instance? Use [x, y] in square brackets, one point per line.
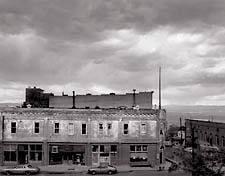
[38, 99]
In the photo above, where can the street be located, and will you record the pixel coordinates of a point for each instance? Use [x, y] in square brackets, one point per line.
[133, 173]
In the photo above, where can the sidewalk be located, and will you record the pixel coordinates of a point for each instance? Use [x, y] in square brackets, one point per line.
[60, 169]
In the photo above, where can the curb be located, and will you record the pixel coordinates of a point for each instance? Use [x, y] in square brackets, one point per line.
[70, 172]
[61, 172]
[84, 171]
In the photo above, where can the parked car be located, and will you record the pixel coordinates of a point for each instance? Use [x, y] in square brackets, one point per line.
[21, 169]
[103, 169]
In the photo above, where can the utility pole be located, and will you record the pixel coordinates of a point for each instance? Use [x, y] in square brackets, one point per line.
[181, 132]
[194, 146]
[159, 88]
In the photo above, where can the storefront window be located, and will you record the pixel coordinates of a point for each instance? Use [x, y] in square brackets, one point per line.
[138, 148]
[138, 153]
[132, 148]
[36, 152]
[144, 147]
[138, 157]
[113, 148]
[95, 148]
[102, 149]
[9, 155]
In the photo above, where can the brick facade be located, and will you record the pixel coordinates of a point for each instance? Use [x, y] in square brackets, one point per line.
[90, 137]
[208, 134]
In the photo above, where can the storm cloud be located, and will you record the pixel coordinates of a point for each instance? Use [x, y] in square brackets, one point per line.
[114, 46]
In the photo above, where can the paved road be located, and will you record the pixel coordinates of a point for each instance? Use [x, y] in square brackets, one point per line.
[133, 173]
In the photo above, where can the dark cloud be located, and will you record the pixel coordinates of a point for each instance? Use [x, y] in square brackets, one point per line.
[113, 46]
[83, 20]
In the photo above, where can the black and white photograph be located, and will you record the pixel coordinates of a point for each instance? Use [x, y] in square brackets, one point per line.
[112, 87]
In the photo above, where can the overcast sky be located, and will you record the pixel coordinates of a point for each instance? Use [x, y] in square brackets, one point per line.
[104, 46]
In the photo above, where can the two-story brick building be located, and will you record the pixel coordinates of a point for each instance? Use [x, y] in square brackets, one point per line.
[209, 135]
[90, 137]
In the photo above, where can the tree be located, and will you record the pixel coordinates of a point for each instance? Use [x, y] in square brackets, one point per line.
[204, 163]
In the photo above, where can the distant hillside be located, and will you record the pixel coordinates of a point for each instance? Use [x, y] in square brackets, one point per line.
[10, 104]
[212, 113]
[175, 112]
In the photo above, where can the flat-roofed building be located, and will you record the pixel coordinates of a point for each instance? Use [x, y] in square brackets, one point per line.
[209, 135]
[81, 136]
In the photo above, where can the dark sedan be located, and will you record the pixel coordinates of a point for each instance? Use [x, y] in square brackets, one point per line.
[103, 169]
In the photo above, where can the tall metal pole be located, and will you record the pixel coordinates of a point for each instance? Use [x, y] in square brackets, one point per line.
[193, 149]
[181, 135]
[159, 87]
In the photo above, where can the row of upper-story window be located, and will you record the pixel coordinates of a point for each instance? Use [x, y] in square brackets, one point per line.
[71, 128]
[211, 139]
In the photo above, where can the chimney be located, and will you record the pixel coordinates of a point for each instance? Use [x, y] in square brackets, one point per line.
[73, 100]
[134, 98]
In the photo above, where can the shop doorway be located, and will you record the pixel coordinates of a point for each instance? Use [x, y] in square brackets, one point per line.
[67, 154]
[67, 158]
[104, 159]
[22, 154]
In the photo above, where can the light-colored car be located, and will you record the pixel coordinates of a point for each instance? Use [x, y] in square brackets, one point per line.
[21, 169]
[103, 169]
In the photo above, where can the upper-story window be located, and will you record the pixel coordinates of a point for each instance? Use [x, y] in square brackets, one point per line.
[57, 127]
[13, 127]
[36, 127]
[143, 129]
[109, 128]
[84, 128]
[100, 128]
[125, 128]
[70, 129]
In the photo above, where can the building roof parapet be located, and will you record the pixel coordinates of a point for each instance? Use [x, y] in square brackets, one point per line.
[77, 113]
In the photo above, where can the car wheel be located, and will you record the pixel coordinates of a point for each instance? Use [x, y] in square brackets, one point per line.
[7, 173]
[110, 172]
[27, 173]
[93, 172]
